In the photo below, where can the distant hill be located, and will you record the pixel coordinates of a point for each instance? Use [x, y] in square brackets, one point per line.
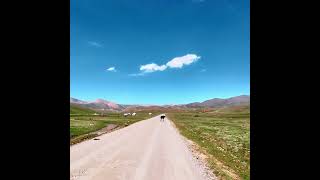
[104, 105]
[217, 102]
[77, 101]
[99, 104]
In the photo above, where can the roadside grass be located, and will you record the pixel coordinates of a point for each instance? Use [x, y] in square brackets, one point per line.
[224, 134]
[83, 126]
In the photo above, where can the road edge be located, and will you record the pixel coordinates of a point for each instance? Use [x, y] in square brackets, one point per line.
[198, 157]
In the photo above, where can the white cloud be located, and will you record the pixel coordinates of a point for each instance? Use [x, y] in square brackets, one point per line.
[95, 44]
[152, 68]
[179, 62]
[203, 70]
[112, 69]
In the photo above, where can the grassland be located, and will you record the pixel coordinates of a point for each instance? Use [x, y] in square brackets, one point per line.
[224, 135]
[85, 122]
[77, 110]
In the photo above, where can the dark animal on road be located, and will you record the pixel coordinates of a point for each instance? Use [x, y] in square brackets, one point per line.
[162, 117]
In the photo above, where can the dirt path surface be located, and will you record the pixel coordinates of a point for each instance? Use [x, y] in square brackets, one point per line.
[146, 150]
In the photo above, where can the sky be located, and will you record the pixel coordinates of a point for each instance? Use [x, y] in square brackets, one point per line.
[159, 51]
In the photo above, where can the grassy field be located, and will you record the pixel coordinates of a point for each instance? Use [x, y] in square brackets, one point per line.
[76, 110]
[83, 122]
[224, 135]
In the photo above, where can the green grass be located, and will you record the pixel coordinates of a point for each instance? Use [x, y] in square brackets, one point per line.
[76, 110]
[83, 123]
[224, 134]
[79, 127]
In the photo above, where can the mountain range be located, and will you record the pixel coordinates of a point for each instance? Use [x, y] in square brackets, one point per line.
[104, 105]
[218, 102]
[99, 104]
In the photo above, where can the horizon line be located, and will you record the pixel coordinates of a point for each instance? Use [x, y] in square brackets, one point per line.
[156, 104]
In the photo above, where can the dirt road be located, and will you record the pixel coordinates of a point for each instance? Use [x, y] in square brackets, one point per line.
[146, 150]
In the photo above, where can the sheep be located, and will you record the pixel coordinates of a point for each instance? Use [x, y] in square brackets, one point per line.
[150, 114]
[133, 114]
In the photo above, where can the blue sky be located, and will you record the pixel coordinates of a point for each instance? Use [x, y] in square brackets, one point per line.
[159, 51]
